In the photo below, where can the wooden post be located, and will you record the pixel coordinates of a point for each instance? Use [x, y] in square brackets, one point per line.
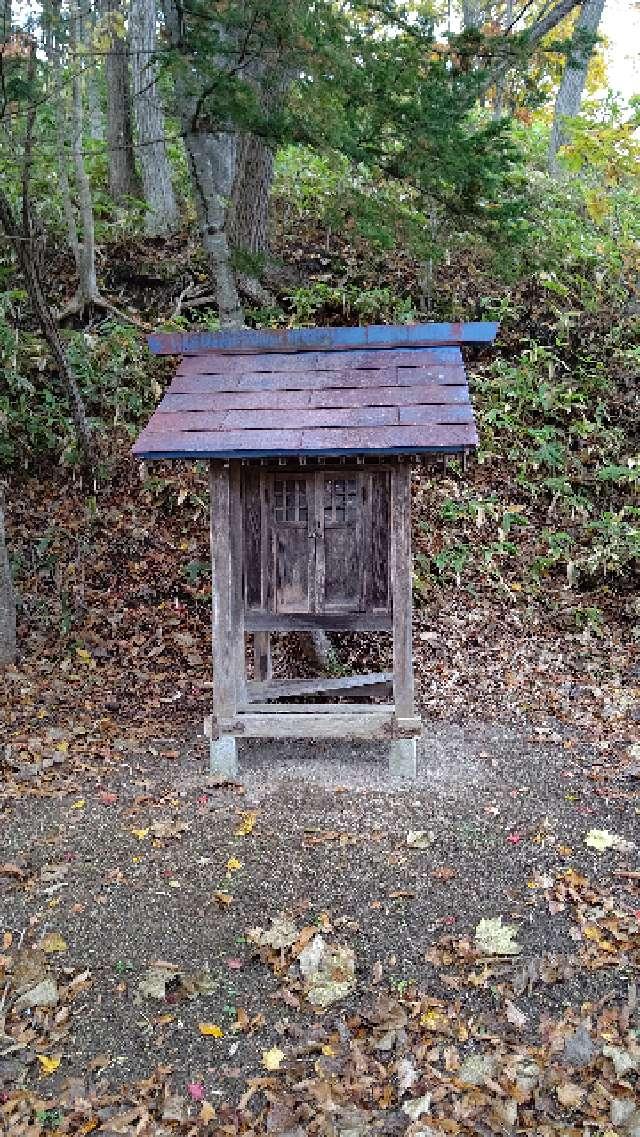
[402, 758]
[236, 543]
[262, 657]
[224, 647]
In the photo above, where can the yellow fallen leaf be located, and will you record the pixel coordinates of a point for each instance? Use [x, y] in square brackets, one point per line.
[83, 655]
[272, 1059]
[47, 1064]
[233, 864]
[433, 1020]
[207, 1113]
[247, 822]
[141, 834]
[62, 746]
[90, 1125]
[53, 941]
[328, 1051]
[79, 804]
[211, 1030]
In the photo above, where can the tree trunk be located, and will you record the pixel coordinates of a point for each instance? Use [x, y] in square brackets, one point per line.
[211, 157]
[571, 87]
[122, 171]
[23, 244]
[5, 20]
[7, 598]
[94, 100]
[162, 216]
[249, 212]
[248, 222]
[473, 15]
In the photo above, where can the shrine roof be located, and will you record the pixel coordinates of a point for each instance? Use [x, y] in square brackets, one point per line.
[315, 392]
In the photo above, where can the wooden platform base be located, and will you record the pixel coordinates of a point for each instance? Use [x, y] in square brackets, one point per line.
[348, 722]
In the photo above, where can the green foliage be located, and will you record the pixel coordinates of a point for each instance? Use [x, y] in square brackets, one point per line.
[115, 378]
[319, 302]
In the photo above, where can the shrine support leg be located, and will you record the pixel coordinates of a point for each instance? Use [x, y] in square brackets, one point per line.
[227, 620]
[402, 754]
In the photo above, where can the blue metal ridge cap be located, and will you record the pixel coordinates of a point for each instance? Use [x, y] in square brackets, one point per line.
[254, 341]
[240, 455]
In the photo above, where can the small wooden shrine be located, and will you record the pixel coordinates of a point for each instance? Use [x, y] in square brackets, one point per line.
[310, 435]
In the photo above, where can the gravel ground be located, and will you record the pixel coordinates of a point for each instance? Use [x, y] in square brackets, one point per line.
[502, 806]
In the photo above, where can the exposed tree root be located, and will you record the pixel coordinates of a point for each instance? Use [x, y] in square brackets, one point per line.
[78, 303]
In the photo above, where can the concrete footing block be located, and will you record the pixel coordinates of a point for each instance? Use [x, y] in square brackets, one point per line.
[402, 758]
[223, 755]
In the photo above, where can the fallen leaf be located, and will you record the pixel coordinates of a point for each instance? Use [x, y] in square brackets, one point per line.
[416, 1108]
[53, 941]
[495, 938]
[406, 1074]
[282, 933]
[48, 1065]
[329, 972]
[444, 873]
[272, 1059]
[168, 829]
[233, 864]
[570, 1094]
[12, 870]
[223, 898]
[79, 804]
[211, 1030]
[247, 822]
[141, 834]
[420, 838]
[43, 994]
[601, 839]
[207, 1113]
[514, 1015]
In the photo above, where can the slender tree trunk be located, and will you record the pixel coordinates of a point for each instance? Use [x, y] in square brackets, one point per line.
[70, 123]
[122, 171]
[7, 598]
[5, 20]
[88, 283]
[473, 15]
[212, 158]
[162, 216]
[94, 100]
[571, 87]
[22, 240]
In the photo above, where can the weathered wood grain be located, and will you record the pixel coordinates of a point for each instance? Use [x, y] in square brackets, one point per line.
[373, 724]
[218, 364]
[436, 437]
[268, 621]
[223, 638]
[370, 684]
[401, 578]
[288, 400]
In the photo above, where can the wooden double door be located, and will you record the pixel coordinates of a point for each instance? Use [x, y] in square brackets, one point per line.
[317, 541]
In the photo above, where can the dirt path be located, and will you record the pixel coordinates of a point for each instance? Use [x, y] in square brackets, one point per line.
[126, 868]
